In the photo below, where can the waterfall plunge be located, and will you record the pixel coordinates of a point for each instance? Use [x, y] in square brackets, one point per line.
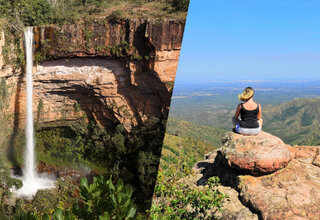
[29, 171]
[31, 179]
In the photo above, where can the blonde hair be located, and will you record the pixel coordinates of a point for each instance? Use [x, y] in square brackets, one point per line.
[246, 94]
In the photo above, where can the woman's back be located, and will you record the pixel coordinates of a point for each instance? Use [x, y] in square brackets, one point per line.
[250, 105]
[249, 115]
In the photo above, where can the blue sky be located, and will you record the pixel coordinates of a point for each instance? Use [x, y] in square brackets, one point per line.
[251, 40]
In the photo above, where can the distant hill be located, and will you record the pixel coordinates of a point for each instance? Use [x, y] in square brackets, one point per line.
[295, 122]
[205, 134]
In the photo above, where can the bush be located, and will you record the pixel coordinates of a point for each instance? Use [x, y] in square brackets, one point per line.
[34, 12]
[180, 200]
[44, 201]
[180, 5]
[6, 184]
[102, 199]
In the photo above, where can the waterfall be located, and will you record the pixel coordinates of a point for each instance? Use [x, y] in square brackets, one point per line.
[31, 180]
[29, 162]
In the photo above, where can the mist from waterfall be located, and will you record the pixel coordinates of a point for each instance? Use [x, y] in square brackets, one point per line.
[31, 179]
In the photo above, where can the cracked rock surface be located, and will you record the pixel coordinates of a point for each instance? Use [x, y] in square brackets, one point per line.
[263, 153]
[291, 191]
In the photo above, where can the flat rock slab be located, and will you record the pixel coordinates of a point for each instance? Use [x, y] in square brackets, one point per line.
[259, 154]
[291, 193]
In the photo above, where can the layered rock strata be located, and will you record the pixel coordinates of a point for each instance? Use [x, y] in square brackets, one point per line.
[109, 71]
[99, 88]
[289, 191]
[157, 42]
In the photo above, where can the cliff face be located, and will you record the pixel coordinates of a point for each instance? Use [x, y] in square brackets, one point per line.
[110, 71]
[159, 43]
[266, 176]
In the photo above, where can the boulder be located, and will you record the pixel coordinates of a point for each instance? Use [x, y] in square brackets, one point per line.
[259, 154]
[292, 192]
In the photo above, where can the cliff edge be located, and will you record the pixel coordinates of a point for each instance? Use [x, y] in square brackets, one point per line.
[112, 72]
[264, 178]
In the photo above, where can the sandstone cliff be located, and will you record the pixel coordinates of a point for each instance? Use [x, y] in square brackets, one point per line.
[264, 178]
[109, 71]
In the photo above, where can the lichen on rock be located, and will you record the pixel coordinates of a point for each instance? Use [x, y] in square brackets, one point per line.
[274, 180]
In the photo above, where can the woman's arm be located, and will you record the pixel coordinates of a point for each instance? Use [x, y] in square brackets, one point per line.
[259, 114]
[236, 115]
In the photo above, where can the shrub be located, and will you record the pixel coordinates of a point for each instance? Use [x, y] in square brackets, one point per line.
[102, 199]
[34, 12]
[180, 5]
[180, 200]
[44, 201]
[6, 184]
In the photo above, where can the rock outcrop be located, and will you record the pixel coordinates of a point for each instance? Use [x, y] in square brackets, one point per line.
[157, 42]
[285, 185]
[263, 153]
[111, 71]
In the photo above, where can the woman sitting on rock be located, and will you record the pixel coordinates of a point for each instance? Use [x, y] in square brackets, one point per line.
[250, 113]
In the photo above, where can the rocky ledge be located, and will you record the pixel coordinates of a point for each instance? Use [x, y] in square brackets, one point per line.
[265, 177]
[111, 72]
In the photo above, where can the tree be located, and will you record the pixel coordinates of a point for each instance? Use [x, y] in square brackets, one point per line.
[34, 12]
[7, 183]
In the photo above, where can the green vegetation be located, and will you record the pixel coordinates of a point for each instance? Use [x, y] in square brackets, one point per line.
[206, 134]
[184, 151]
[180, 5]
[295, 122]
[12, 51]
[120, 50]
[3, 93]
[39, 111]
[40, 12]
[5, 116]
[180, 200]
[175, 197]
[6, 184]
[133, 156]
[101, 199]
[18, 14]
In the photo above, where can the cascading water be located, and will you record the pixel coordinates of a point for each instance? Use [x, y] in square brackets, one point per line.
[31, 180]
[29, 171]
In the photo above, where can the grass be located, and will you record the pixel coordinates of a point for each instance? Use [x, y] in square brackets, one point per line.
[157, 10]
[209, 135]
[182, 151]
[60, 13]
